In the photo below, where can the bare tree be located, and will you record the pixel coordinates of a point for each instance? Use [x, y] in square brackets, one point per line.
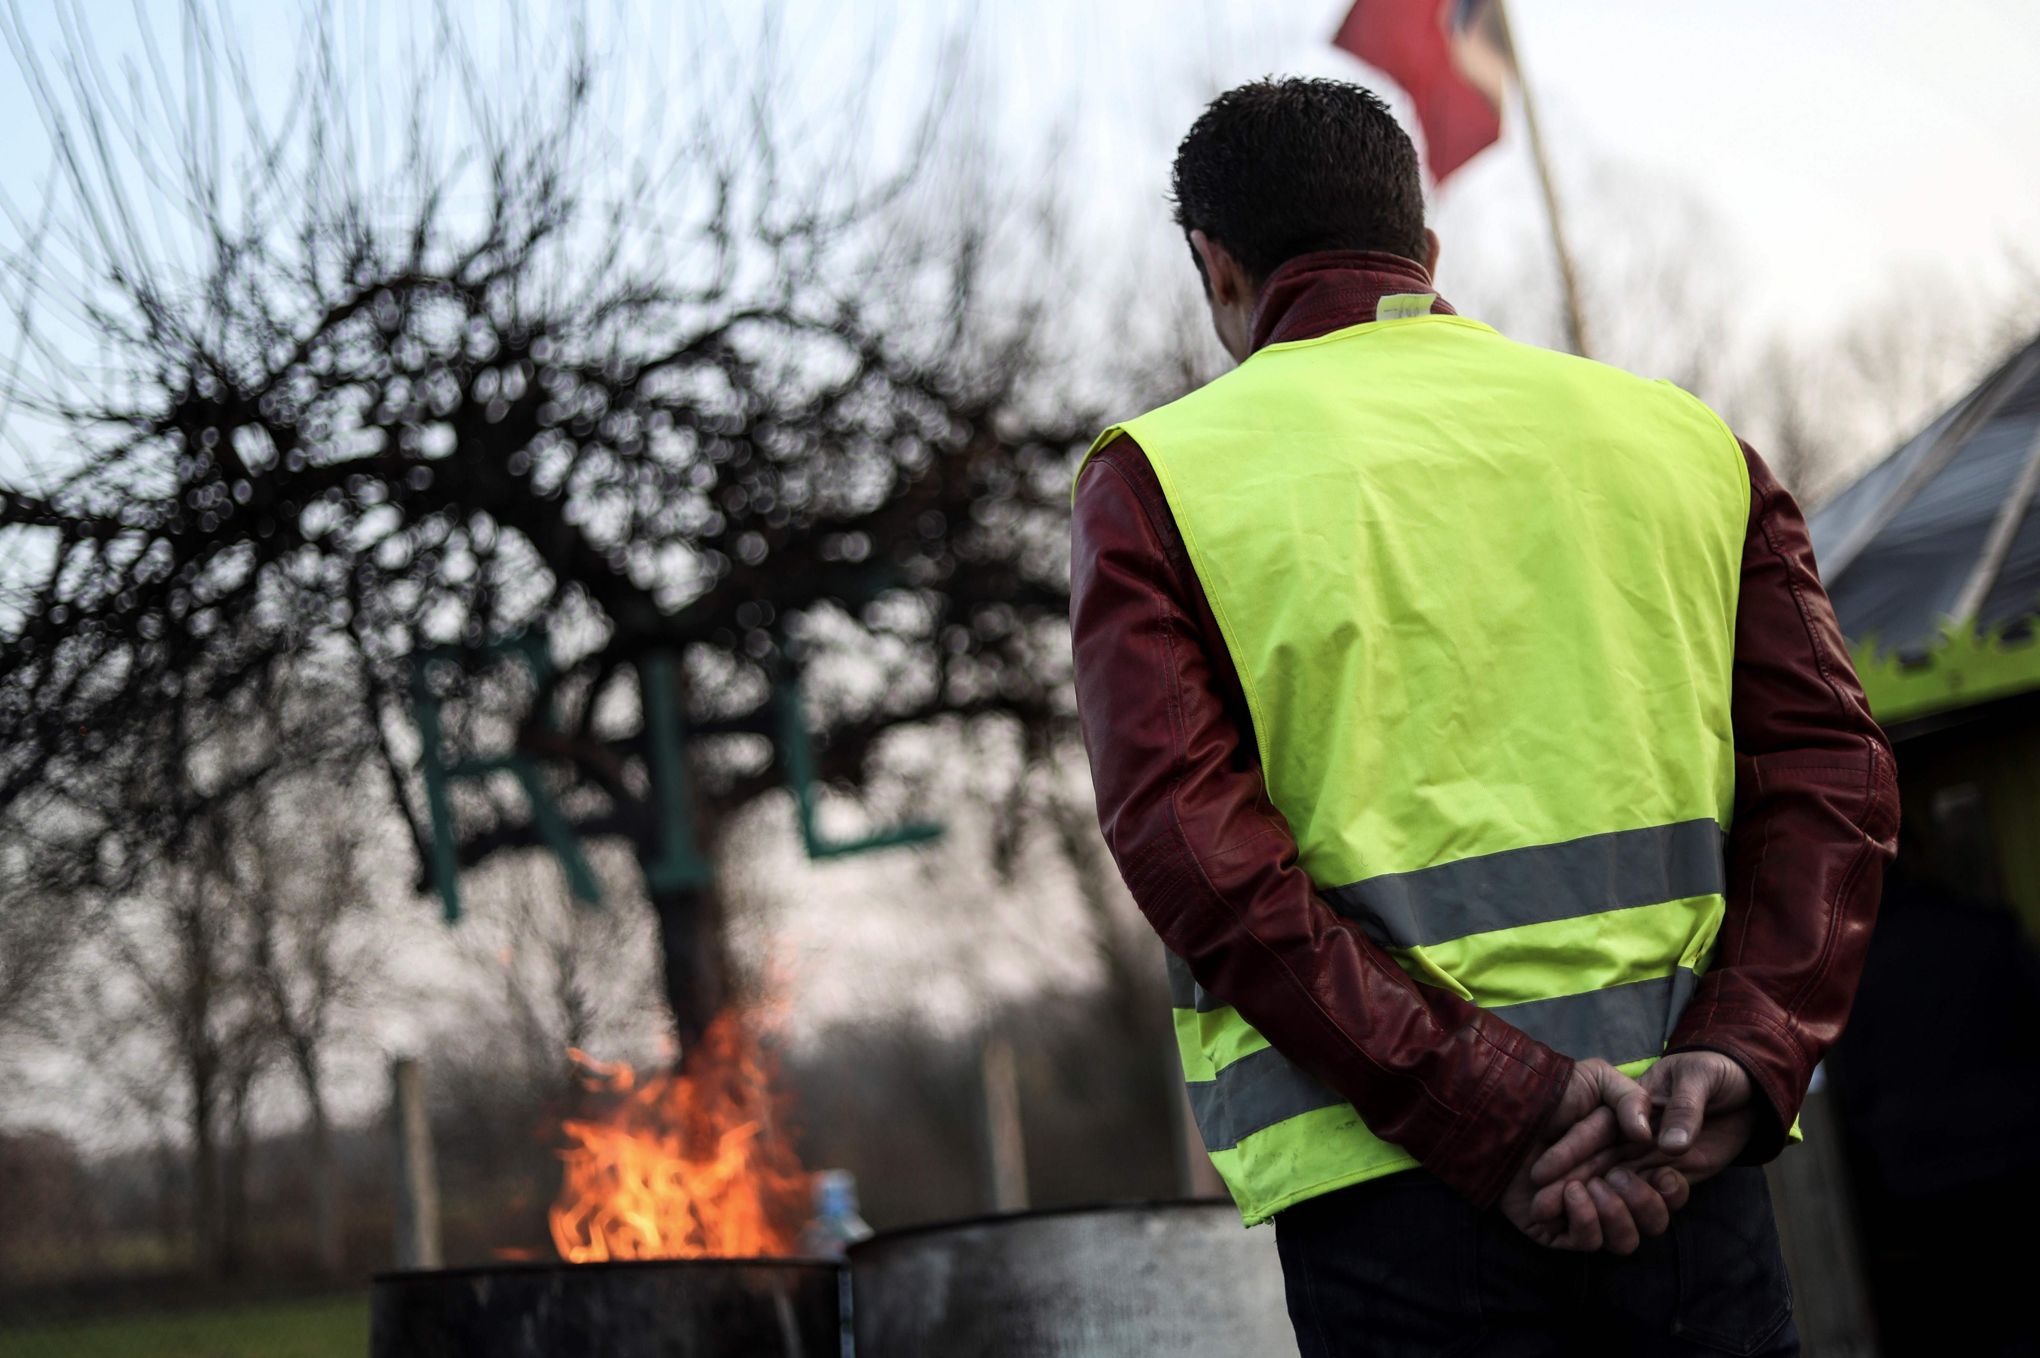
[178, 956]
[1833, 401]
[303, 888]
[543, 974]
[461, 346]
[559, 975]
[40, 924]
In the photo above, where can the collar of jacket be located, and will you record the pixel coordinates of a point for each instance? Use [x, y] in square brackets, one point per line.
[1315, 294]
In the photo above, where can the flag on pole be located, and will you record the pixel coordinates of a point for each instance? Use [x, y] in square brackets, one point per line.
[1451, 56]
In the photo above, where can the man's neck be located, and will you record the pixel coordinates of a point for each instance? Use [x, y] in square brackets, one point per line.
[1315, 294]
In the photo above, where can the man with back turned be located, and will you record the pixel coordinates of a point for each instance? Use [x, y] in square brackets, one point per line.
[1469, 721]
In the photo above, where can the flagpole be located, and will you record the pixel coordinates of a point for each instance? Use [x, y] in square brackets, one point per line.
[1568, 276]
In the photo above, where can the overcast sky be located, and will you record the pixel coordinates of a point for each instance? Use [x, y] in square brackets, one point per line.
[1838, 145]
[1838, 142]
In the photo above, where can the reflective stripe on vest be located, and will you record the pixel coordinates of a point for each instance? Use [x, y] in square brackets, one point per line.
[1480, 597]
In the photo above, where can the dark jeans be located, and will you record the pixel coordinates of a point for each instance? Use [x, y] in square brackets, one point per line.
[1403, 1265]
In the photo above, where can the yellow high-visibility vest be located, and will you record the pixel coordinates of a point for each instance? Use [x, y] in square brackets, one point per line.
[1481, 599]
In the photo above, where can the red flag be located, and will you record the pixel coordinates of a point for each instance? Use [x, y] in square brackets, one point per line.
[1451, 56]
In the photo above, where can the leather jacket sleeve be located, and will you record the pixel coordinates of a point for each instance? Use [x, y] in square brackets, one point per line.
[1213, 866]
[1816, 819]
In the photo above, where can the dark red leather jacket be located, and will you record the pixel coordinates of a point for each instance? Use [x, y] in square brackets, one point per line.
[1212, 864]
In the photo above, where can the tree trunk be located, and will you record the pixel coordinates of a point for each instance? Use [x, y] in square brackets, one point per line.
[171, 1196]
[205, 1167]
[696, 966]
[327, 1237]
[326, 1228]
[234, 1180]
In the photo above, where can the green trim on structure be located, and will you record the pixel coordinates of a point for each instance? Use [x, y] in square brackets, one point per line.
[1961, 669]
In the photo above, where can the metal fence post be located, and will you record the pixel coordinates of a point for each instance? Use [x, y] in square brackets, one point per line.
[417, 1186]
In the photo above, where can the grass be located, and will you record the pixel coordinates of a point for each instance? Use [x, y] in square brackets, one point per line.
[331, 1327]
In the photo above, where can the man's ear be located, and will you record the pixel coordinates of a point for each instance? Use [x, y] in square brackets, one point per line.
[1223, 277]
[1431, 252]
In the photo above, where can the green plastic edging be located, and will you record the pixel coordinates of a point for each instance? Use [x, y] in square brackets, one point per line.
[1961, 669]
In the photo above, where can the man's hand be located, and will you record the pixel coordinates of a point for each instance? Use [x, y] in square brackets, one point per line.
[1706, 1120]
[1693, 1088]
[1612, 1211]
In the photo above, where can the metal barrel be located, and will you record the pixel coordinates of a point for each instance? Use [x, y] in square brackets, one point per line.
[1181, 1279]
[697, 1308]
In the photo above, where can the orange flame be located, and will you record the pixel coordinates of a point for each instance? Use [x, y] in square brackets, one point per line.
[686, 1164]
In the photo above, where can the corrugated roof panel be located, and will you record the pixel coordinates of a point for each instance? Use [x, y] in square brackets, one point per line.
[1839, 527]
[2024, 401]
[2015, 593]
[1838, 519]
[1903, 584]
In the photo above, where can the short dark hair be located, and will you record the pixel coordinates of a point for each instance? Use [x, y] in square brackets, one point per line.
[1278, 168]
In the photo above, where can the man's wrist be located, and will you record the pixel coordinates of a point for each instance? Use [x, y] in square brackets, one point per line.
[1769, 1125]
[1492, 1142]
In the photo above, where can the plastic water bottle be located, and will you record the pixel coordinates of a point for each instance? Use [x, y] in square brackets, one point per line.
[836, 1225]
